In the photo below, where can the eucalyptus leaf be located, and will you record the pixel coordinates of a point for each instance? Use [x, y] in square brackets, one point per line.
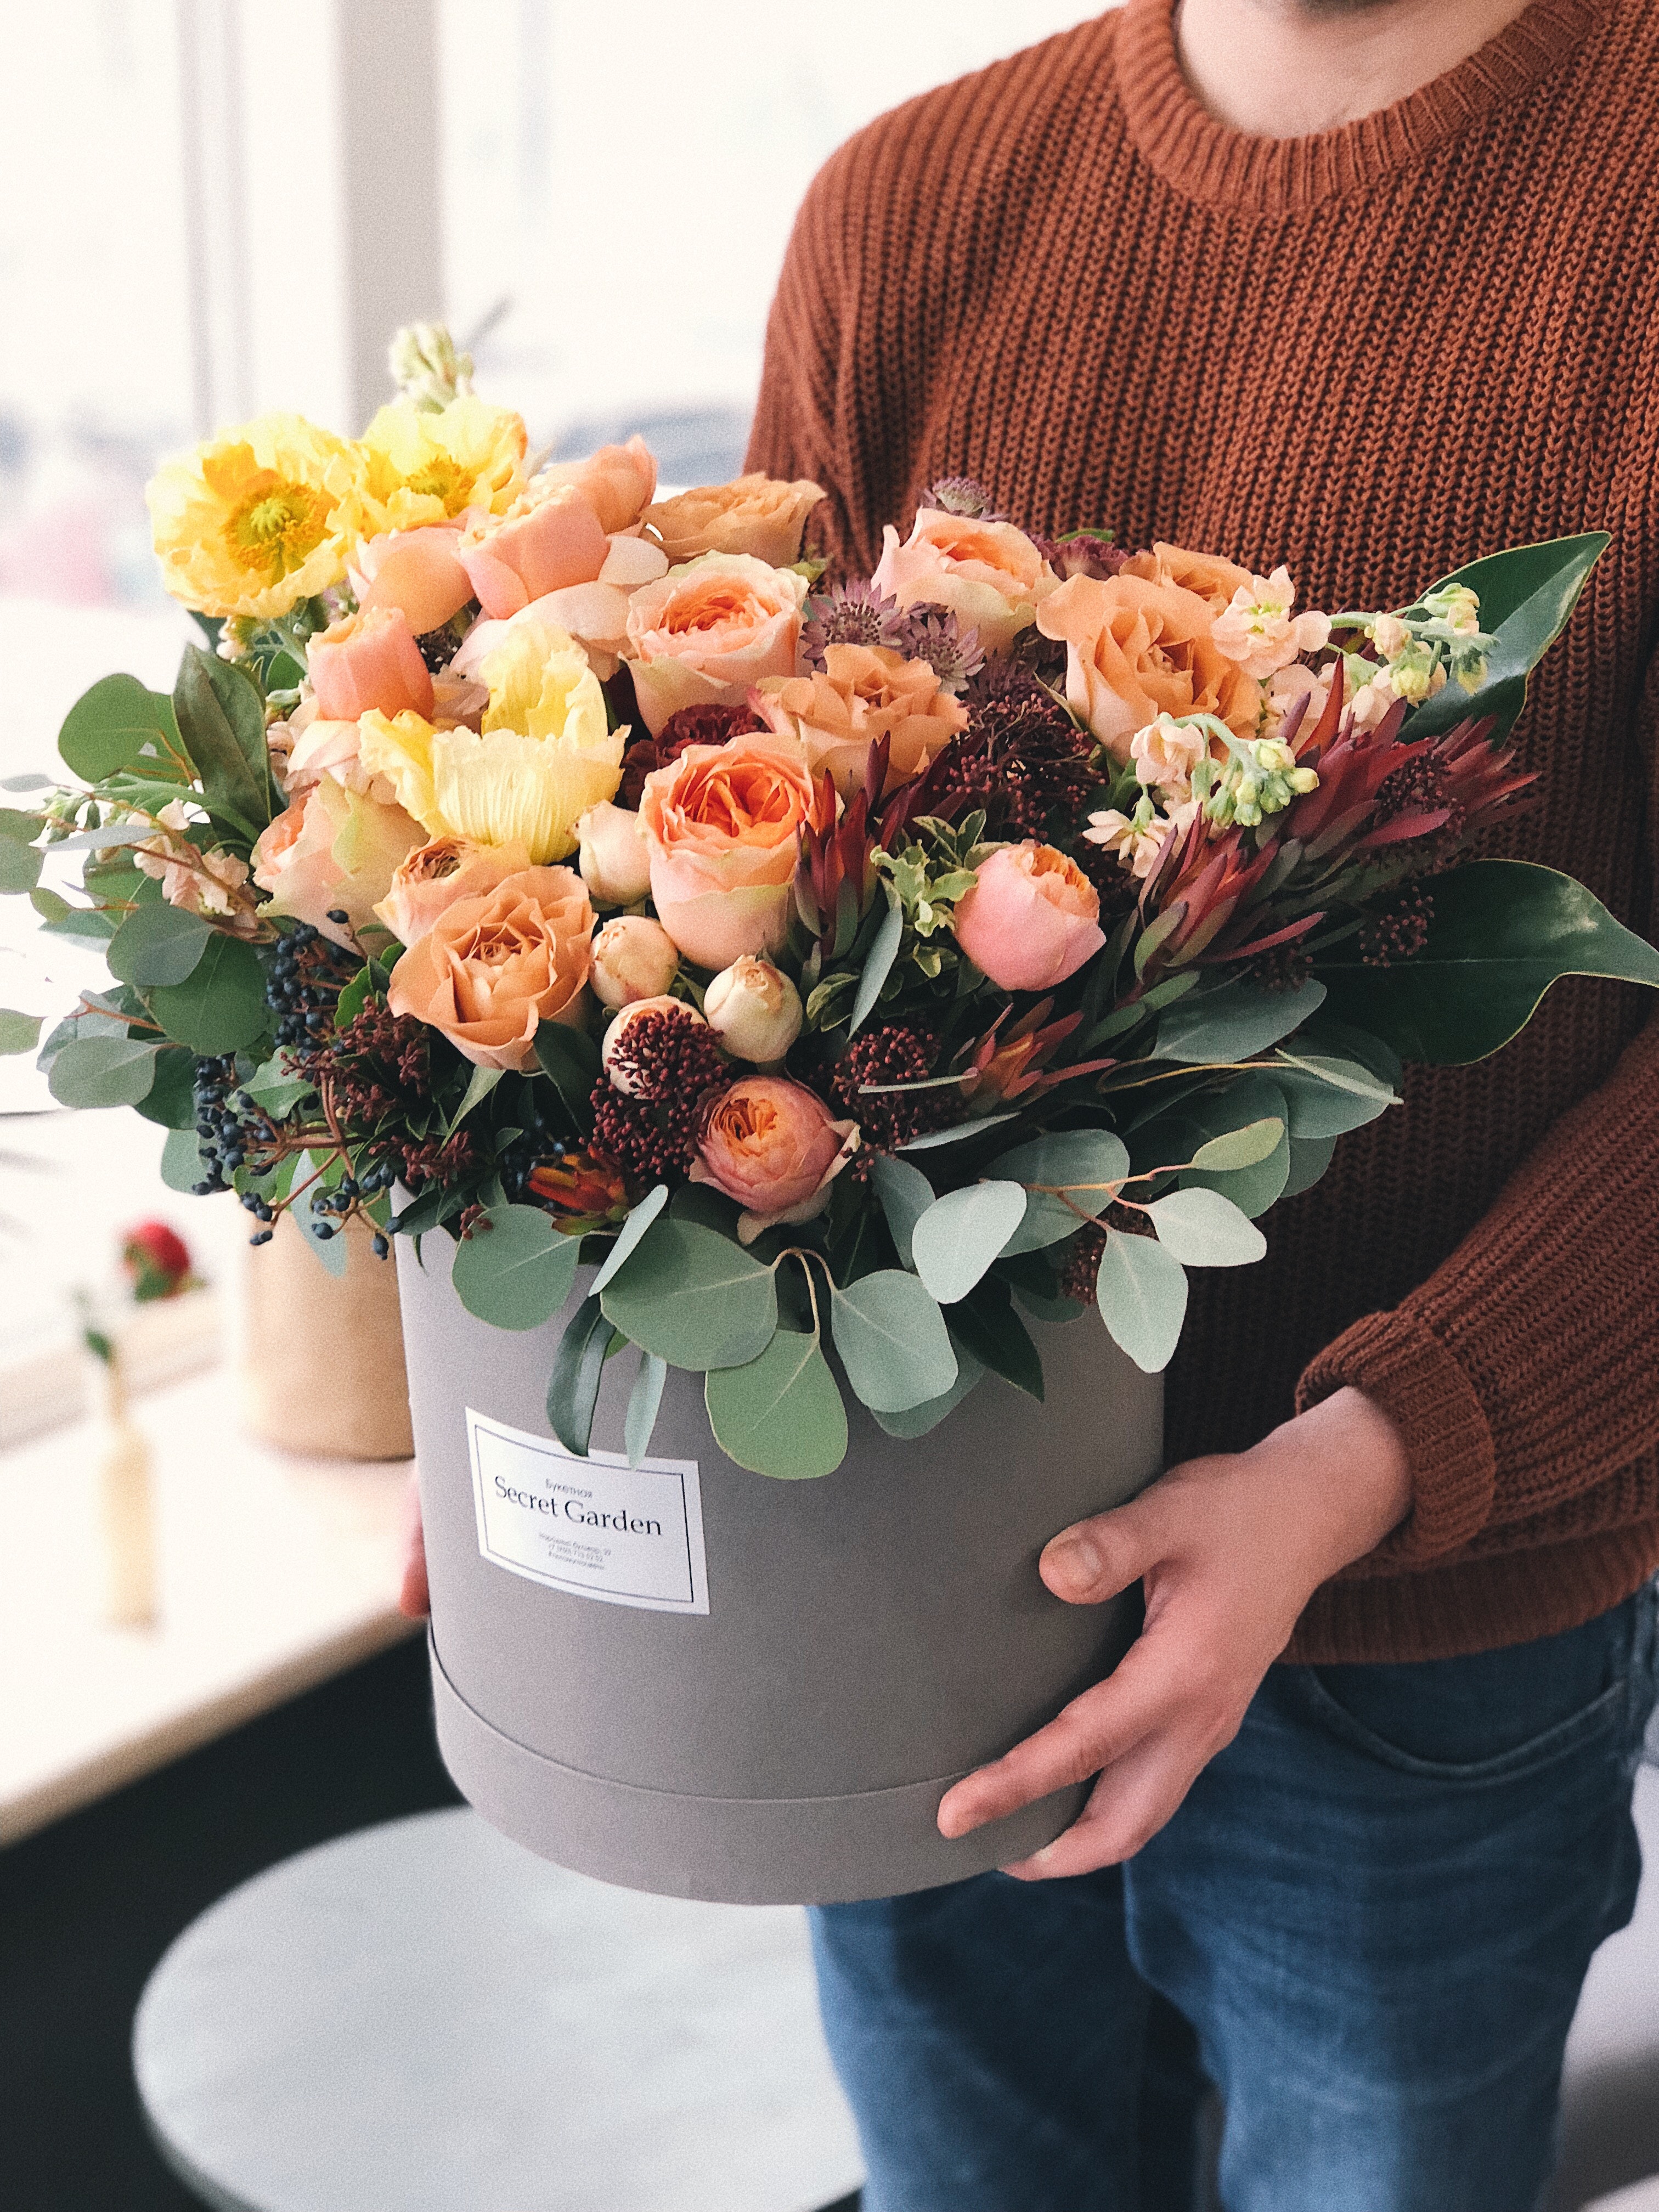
[25, 783]
[693, 1297]
[779, 1414]
[102, 1071]
[18, 1032]
[1253, 1190]
[1086, 1163]
[20, 866]
[1204, 1229]
[1327, 1097]
[1501, 933]
[878, 963]
[643, 1400]
[120, 724]
[919, 1419]
[182, 1164]
[515, 1270]
[1234, 1022]
[892, 1340]
[1309, 1157]
[1141, 1291]
[573, 1387]
[158, 945]
[632, 1230]
[220, 1007]
[171, 1099]
[1240, 1148]
[905, 1194]
[955, 1241]
[938, 1138]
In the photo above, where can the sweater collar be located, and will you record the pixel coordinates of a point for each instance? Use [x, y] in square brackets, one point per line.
[1223, 167]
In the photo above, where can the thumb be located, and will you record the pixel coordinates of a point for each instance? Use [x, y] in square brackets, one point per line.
[1095, 1560]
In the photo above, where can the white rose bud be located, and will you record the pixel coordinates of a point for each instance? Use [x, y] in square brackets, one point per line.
[618, 1029]
[614, 862]
[634, 958]
[754, 1010]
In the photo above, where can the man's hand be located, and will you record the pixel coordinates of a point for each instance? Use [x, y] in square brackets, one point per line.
[1231, 1549]
[413, 1597]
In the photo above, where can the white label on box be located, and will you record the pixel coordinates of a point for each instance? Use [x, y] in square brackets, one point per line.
[595, 1527]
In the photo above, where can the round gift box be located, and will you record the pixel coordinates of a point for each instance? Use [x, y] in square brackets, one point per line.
[869, 1638]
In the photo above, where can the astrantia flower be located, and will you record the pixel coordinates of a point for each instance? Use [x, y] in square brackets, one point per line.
[851, 614]
[426, 468]
[960, 496]
[254, 522]
[951, 649]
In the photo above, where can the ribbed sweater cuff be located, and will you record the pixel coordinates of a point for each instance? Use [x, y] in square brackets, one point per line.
[1404, 1367]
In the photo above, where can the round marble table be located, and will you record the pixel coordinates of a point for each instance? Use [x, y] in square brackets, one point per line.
[424, 2018]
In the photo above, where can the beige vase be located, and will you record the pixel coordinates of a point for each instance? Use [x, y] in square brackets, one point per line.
[322, 1356]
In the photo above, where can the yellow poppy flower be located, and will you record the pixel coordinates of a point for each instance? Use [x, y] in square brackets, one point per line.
[426, 468]
[252, 522]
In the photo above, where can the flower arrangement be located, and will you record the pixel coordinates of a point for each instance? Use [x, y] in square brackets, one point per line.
[850, 972]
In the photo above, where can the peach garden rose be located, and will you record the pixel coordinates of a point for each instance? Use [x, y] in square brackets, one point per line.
[865, 692]
[722, 825]
[492, 969]
[709, 630]
[428, 882]
[1031, 919]
[1137, 650]
[989, 574]
[755, 515]
[774, 1146]
[369, 660]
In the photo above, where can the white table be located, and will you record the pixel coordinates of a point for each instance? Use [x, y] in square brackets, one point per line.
[275, 1572]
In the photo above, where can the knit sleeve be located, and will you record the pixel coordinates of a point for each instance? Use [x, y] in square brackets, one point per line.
[1524, 1373]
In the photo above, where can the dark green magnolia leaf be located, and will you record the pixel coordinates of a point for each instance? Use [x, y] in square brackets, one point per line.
[919, 1419]
[20, 866]
[693, 1297]
[1234, 1022]
[102, 1071]
[630, 1235]
[221, 721]
[18, 1032]
[779, 1414]
[1203, 1229]
[643, 1399]
[220, 1007]
[158, 945]
[986, 1324]
[905, 1194]
[892, 1340]
[1502, 933]
[879, 963]
[573, 1387]
[1084, 1162]
[122, 725]
[515, 1270]
[570, 1059]
[171, 1098]
[1527, 595]
[1141, 1291]
[961, 1234]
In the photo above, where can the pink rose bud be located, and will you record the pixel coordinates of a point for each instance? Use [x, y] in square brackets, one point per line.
[370, 660]
[544, 545]
[633, 959]
[1031, 919]
[618, 1029]
[774, 1146]
[615, 859]
[754, 1010]
[419, 572]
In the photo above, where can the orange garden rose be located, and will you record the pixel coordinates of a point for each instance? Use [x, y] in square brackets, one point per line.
[1136, 650]
[428, 882]
[1031, 919]
[865, 693]
[368, 659]
[774, 1147]
[722, 823]
[616, 482]
[548, 539]
[333, 850]
[1206, 574]
[753, 515]
[709, 630]
[988, 574]
[492, 969]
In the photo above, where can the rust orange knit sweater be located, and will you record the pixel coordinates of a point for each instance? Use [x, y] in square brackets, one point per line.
[1372, 353]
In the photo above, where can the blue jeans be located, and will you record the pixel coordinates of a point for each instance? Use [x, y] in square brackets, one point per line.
[1368, 1926]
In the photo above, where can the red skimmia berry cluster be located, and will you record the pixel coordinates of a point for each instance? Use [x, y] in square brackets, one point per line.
[895, 1053]
[669, 1062]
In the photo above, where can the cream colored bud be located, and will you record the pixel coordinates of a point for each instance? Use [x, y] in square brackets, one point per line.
[633, 959]
[619, 1027]
[755, 1011]
[1304, 780]
[614, 862]
[1274, 758]
[1391, 636]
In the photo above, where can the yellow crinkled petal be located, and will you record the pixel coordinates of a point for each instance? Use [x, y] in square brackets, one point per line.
[250, 523]
[401, 751]
[505, 786]
[540, 684]
[427, 468]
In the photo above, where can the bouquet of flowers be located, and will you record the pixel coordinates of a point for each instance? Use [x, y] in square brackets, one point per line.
[846, 971]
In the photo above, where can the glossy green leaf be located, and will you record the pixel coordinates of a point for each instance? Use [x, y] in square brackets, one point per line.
[1234, 1022]
[1204, 1229]
[158, 945]
[643, 1400]
[220, 1007]
[573, 1387]
[779, 1414]
[222, 722]
[1085, 1163]
[1141, 1291]
[1502, 933]
[961, 1234]
[276, 1089]
[570, 1059]
[480, 1083]
[102, 1071]
[985, 1323]
[1240, 1148]
[694, 1297]
[18, 1032]
[892, 1340]
[630, 1235]
[1527, 592]
[905, 1194]
[119, 724]
[879, 963]
[515, 1270]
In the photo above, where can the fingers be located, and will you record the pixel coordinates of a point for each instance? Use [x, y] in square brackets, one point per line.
[1094, 1560]
[414, 1599]
[1127, 1807]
